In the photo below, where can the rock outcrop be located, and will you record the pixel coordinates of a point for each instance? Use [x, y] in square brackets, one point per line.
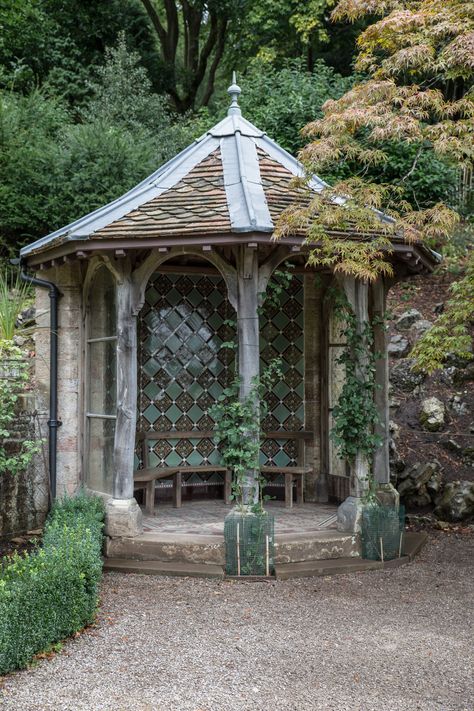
[432, 414]
[457, 502]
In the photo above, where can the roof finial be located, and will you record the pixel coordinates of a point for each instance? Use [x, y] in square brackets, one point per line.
[234, 92]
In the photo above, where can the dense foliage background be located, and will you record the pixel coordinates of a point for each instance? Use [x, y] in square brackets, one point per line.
[94, 95]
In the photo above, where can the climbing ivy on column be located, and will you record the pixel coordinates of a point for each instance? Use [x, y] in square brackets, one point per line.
[355, 413]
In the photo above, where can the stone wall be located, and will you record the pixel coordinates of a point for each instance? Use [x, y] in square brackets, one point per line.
[68, 279]
[24, 496]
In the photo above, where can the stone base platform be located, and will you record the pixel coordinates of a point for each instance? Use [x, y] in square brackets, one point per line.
[194, 535]
[190, 542]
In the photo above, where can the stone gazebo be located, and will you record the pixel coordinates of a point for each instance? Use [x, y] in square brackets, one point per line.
[147, 284]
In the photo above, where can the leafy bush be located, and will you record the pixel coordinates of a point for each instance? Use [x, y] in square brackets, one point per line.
[293, 97]
[14, 456]
[51, 593]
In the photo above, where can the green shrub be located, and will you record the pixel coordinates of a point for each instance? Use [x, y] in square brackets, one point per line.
[51, 593]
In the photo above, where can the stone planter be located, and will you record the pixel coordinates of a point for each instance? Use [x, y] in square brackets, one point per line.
[249, 543]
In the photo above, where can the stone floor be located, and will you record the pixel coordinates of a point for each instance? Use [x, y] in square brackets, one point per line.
[207, 518]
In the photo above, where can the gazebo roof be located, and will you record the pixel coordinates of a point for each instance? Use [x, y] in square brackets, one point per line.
[232, 182]
[233, 179]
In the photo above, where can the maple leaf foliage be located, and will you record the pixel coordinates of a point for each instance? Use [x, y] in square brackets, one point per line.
[418, 57]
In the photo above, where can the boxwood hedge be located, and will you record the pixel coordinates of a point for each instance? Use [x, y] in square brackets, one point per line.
[51, 593]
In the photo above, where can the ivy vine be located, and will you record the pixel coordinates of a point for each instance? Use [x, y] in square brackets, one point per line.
[13, 378]
[355, 413]
[238, 425]
[238, 419]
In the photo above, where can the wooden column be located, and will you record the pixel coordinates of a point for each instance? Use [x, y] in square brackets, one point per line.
[316, 483]
[248, 342]
[357, 293]
[350, 511]
[125, 427]
[123, 515]
[381, 455]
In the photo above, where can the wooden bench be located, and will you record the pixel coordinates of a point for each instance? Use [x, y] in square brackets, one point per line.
[147, 477]
[291, 474]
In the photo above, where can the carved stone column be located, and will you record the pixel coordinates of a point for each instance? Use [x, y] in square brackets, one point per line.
[124, 517]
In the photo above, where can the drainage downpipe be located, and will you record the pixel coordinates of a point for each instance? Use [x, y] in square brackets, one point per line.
[53, 422]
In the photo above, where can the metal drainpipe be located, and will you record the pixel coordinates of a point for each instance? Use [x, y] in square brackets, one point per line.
[53, 422]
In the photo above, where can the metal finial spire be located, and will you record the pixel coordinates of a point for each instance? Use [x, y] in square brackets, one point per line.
[234, 92]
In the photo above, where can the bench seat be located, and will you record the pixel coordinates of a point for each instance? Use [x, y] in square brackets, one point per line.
[147, 478]
[291, 474]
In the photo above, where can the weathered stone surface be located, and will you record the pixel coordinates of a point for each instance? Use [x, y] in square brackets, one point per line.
[458, 406]
[468, 455]
[408, 318]
[24, 496]
[419, 328]
[451, 445]
[123, 518]
[387, 495]
[397, 464]
[349, 515]
[447, 375]
[398, 346]
[420, 484]
[457, 502]
[464, 374]
[68, 277]
[404, 378]
[434, 485]
[432, 414]
[394, 429]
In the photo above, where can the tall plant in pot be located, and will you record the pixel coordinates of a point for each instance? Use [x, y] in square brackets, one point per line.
[248, 528]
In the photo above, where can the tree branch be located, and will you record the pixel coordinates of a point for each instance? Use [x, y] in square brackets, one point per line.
[415, 161]
[212, 38]
[215, 63]
[172, 29]
[156, 22]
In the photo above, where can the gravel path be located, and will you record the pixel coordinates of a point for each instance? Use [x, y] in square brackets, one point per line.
[381, 641]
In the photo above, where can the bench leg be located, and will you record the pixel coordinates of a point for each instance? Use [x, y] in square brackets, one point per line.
[177, 480]
[227, 486]
[288, 491]
[299, 489]
[150, 498]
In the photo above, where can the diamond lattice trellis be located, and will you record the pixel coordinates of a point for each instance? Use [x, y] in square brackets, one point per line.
[282, 337]
[183, 369]
[181, 366]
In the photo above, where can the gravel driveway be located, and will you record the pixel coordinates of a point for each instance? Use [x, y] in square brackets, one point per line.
[381, 641]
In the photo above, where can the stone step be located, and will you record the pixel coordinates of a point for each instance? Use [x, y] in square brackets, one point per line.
[209, 549]
[334, 566]
[158, 567]
[413, 542]
[301, 549]
[317, 545]
[169, 547]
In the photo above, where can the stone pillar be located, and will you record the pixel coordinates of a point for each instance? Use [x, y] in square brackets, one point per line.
[248, 342]
[386, 493]
[68, 279]
[350, 511]
[124, 517]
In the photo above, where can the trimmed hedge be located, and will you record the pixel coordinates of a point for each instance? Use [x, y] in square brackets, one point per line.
[51, 593]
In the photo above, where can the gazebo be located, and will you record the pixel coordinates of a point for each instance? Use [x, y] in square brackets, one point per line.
[148, 285]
